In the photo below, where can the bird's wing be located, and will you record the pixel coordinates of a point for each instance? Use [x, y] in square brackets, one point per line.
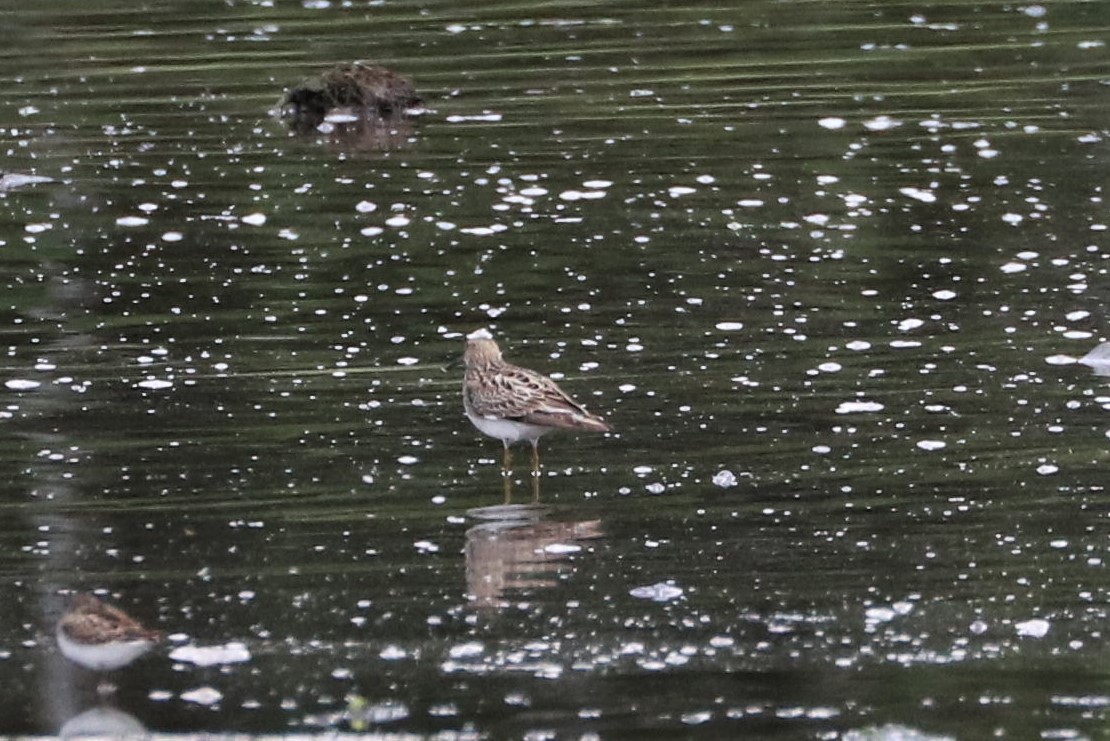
[524, 396]
[104, 624]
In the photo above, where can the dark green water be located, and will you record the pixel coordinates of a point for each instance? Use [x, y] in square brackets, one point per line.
[824, 267]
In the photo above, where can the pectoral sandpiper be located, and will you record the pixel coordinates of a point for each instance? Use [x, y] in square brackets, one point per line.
[511, 403]
[101, 637]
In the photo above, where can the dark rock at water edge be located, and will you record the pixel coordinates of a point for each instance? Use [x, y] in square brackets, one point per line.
[364, 91]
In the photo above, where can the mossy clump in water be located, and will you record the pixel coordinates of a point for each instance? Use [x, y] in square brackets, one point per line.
[367, 91]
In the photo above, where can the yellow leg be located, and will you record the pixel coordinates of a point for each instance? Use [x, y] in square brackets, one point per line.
[536, 470]
[507, 474]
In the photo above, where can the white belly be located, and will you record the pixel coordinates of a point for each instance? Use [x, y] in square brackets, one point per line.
[103, 657]
[507, 430]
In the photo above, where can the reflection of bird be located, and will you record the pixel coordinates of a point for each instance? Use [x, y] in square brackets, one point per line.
[512, 403]
[518, 550]
[103, 721]
[101, 637]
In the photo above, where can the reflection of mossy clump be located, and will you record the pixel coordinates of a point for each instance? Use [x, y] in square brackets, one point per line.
[370, 92]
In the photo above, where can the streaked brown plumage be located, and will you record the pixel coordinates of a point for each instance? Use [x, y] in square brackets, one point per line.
[102, 637]
[511, 403]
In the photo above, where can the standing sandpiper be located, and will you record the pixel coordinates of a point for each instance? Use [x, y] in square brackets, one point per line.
[512, 403]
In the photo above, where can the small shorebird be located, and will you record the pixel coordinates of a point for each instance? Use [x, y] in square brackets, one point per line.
[101, 637]
[512, 403]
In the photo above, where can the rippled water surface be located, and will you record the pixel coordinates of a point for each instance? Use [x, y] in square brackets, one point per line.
[825, 267]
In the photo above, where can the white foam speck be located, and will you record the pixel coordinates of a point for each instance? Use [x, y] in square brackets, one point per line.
[466, 650]
[880, 614]
[832, 122]
[484, 231]
[392, 653]
[858, 407]
[561, 549]
[661, 592]
[919, 194]
[1035, 628]
[881, 123]
[487, 117]
[696, 718]
[234, 652]
[203, 696]
[724, 479]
